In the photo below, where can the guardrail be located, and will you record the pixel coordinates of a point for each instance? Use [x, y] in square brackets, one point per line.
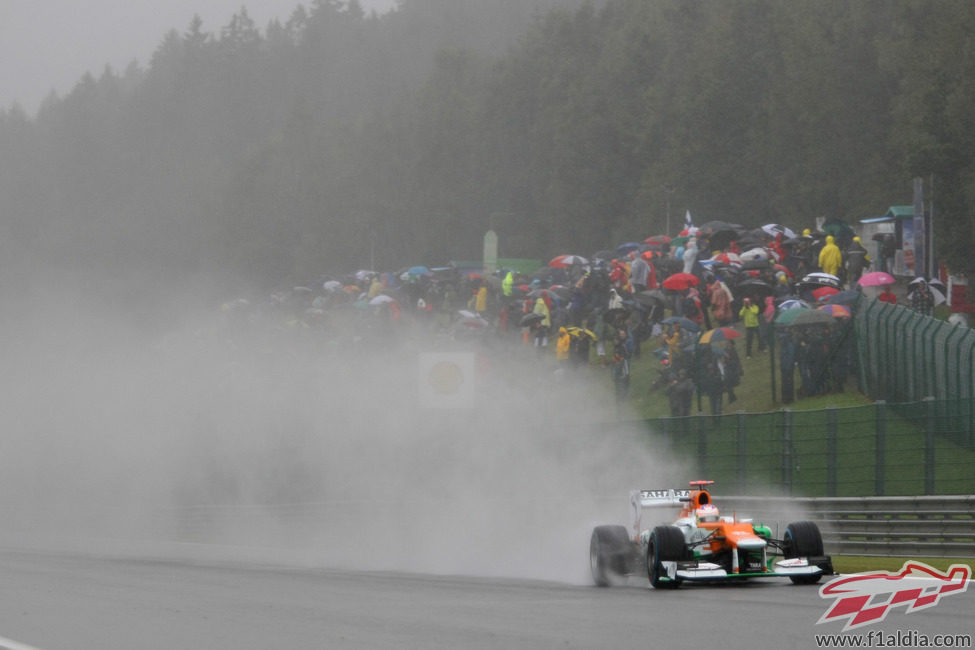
[922, 526]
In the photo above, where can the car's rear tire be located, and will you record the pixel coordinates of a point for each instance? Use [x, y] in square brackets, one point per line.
[609, 550]
[803, 539]
[666, 545]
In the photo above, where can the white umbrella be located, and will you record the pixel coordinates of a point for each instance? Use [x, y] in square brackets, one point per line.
[381, 298]
[775, 229]
[754, 254]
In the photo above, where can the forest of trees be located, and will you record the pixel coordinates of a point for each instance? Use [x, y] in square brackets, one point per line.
[334, 139]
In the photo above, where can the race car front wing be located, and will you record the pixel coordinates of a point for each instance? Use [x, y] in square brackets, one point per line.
[704, 571]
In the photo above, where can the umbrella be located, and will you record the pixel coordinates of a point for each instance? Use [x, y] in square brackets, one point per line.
[473, 323]
[848, 298]
[793, 304]
[680, 281]
[332, 285]
[917, 280]
[824, 292]
[796, 317]
[381, 299]
[835, 310]
[685, 323]
[719, 334]
[678, 241]
[783, 268]
[658, 240]
[616, 315]
[838, 228]
[419, 270]
[529, 319]
[719, 226]
[822, 280]
[579, 332]
[876, 279]
[650, 298]
[752, 287]
[628, 247]
[722, 239]
[776, 229]
[938, 296]
[714, 349]
[565, 261]
[544, 293]
[754, 254]
[727, 258]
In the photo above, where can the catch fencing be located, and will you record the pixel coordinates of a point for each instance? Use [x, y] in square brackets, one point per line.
[905, 356]
[873, 450]
[917, 438]
[886, 526]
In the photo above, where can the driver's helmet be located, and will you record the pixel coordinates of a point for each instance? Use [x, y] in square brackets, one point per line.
[707, 513]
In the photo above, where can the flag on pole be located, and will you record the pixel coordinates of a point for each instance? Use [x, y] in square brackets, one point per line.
[687, 220]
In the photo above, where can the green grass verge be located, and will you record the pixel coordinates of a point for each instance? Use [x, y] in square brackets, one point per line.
[754, 393]
[861, 563]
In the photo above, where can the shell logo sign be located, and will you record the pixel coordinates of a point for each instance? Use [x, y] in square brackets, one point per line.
[446, 380]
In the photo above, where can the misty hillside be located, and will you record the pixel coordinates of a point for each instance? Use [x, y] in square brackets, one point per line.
[333, 140]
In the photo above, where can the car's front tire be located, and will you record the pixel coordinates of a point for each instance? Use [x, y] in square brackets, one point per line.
[666, 545]
[803, 539]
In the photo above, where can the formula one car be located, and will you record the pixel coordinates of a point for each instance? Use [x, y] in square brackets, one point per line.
[701, 545]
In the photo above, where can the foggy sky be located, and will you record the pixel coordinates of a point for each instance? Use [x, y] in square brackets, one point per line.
[49, 45]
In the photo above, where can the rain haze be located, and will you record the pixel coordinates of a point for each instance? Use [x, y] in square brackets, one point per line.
[47, 46]
[219, 437]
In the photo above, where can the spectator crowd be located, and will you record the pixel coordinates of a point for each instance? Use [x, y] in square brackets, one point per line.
[684, 299]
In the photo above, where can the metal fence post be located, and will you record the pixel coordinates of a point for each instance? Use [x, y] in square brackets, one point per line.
[970, 392]
[929, 362]
[742, 452]
[880, 469]
[831, 451]
[702, 444]
[929, 445]
[787, 450]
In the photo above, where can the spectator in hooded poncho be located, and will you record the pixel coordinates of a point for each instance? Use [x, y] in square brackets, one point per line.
[830, 257]
[720, 297]
[857, 260]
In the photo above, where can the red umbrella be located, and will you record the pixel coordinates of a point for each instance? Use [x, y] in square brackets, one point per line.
[681, 281]
[824, 292]
[784, 269]
[564, 261]
[657, 239]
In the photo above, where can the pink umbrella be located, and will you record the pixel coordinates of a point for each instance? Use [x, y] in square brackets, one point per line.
[876, 279]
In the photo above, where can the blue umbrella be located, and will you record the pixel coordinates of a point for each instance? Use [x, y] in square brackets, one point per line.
[419, 270]
[686, 323]
[628, 247]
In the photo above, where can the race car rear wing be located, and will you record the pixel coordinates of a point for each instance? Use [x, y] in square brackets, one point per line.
[652, 498]
[640, 499]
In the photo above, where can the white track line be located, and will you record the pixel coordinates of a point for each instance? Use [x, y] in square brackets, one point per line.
[7, 644]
